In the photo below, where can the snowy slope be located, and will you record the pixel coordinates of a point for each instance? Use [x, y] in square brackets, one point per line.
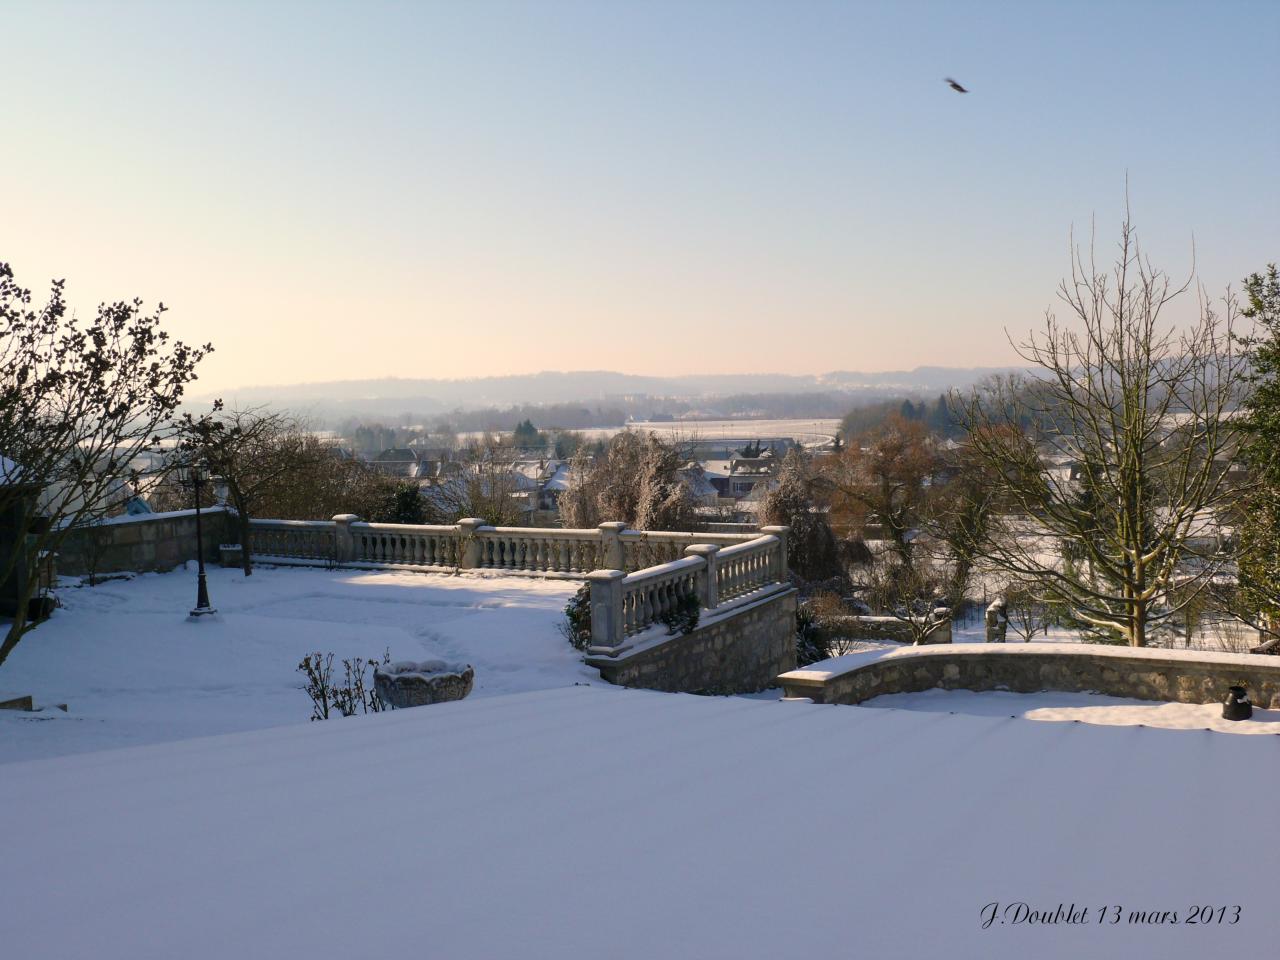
[592, 822]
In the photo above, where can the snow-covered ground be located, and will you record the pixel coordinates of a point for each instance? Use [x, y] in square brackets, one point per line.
[594, 822]
[1082, 707]
[134, 670]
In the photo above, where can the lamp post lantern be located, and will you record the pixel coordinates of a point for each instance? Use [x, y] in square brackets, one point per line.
[197, 474]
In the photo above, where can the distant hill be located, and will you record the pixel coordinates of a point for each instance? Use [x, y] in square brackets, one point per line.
[393, 396]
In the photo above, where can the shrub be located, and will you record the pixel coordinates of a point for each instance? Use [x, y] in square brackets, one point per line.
[349, 697]
[577, 618]
[812, 642]
[683, 616]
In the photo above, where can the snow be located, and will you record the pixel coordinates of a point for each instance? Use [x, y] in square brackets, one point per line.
[1083, 708]
[552, 815]
[133, 669]
[164, 515]
[594, 822]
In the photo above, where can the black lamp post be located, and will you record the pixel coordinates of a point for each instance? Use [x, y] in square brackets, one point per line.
[197, 474]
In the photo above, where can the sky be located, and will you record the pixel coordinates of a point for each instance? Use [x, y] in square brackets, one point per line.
[336, 191]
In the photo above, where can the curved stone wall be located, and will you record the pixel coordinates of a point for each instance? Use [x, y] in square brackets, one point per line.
[1141, 673]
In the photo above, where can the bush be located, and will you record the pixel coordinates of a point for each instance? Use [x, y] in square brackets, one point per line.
[683, 617]
[577, 616]
[402, 503]
[812, 642]
[347, 698]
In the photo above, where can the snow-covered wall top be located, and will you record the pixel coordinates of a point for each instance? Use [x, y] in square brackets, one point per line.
[829, 669]
[1183, 676]
[167, 515]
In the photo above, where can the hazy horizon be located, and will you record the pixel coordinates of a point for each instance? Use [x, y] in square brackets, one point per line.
[335, 191]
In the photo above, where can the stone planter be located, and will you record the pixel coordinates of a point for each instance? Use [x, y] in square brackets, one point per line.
[413, 684]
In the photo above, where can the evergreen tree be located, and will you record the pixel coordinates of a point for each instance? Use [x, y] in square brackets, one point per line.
[527, 435]
[1259, 558]
[403, 503]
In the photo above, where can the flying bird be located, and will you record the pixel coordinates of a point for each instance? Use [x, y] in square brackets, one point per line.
[954, 86]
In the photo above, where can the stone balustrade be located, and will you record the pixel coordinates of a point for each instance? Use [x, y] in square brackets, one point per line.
[470, 544]
[649, 595]
[525, 550]
[297, 539]
[624, 605]
[467, 545]
[648, 548]
[401, 543]
[745, 567]
[637, 577]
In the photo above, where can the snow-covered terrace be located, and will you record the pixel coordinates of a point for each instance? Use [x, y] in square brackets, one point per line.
[134, 670]
[590, 822]
[551, 815]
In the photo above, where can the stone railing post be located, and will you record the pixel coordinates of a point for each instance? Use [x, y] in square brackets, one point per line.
[344, 546]
[612, 556]
[606, 610]
[708, 581]
[781, 571]
[470, 542]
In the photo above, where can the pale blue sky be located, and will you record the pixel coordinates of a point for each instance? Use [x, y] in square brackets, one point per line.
[333, 191]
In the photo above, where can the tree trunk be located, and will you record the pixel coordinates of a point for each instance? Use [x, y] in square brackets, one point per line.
[242, 520]
[246, 561]
[19, 626]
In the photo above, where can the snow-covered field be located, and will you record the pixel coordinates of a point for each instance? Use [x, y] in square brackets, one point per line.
[594, 822]
[134, 670]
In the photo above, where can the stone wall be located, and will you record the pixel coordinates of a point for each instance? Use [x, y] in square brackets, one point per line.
[146, 542]
[1144, 674]
[735, 650]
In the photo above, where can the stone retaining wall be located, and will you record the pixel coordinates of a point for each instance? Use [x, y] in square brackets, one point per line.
[1144, 674]
[146, 542]
[739, 650]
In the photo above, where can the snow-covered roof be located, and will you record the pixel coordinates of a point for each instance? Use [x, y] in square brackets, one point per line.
[716, 827]
[560, 479]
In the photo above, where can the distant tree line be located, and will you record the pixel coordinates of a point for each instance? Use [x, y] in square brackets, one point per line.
[935, 416]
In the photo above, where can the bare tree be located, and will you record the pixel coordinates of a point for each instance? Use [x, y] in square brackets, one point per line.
[639, 480]
[270, 465]
[811, 546]
[484, 484]
[80, 402]
[247, 451]
[879, 485]
[913, 593]
[1110, 461]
